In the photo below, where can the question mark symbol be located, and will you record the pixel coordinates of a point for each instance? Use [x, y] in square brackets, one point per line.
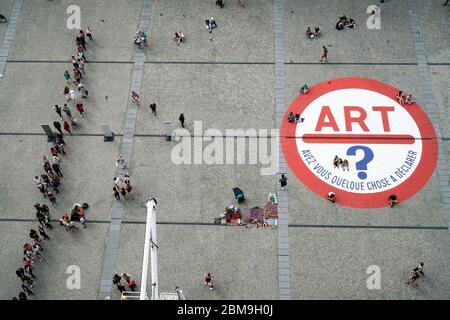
[361, 164]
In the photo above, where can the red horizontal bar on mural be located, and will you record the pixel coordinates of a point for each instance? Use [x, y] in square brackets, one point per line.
[359, 138]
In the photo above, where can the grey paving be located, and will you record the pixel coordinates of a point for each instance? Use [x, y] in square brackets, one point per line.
[112, 243]
[9, 36]
[430, 104]
[280, 109]
[232, 81]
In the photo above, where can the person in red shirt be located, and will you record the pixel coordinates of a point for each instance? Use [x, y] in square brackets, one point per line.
[67, 127]
[80, 109]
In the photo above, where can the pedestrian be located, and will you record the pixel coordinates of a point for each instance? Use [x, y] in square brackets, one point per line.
[241, 2]
[83, 89]
[58, 111]
[283, 182]
[71, 226]
[83, 220]
[66, 109]
[81, 54]
[116, 193]
[57, 160]
[81, 66]
[72, 96]
[34, 235]
[153, 108]
[43, 233]
[401, 97]
[126, 179]
[54, 183]
[80, 109]
[53, 151]
[419, 269]
[28, 266]
[67, 127]
[120, 162]
[74, 62]
[392, 200]
[128, 188]
[51, 197]
[22, 296]
[77, 77]
[57, 169]
[81, 41]
[210, 24]
[324, 54]
[209, 280]
[135, 97]
[20, 272]
[42, 189]
[57, 125]
[181, 118]
[412, 278]
[331, 197]
[131, 282]
[27, 290]
[220, 3]
[123, 192]
[37, 249]
[67, 76]
[47, 167]
[89, 33]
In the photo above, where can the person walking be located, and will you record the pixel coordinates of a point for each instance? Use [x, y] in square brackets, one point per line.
[58, 111]
[56, 159]
[181, 118]
[51, 197]
[80, 108]
[412, 278]
[43, 233]
[20, 272]
[283, 182]
[28, 266]
[153, 108]
[123, 192]
[54, 183]
[42, 188]
[135, 97]
[220, 3]
[57, 169]
[27, 290]
[131, 282]
[67, 76]
[419, 269]
[324, 54]
[67, 111]
[34, 235]
[66, 126]
[88, 33]
[116, 193]
[57, 125]
[209, 280]
[84, 91]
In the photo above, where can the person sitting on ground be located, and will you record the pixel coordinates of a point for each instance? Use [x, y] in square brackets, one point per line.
[291, 117]
[298, 119]
[303, 89]
[409, 99]
[350, 23]
[331, 197]
[309, 33]
[401, 97]
[345, 165]
[210, 24]
[135, 97]
[336, 162]
[392, 200]
[179, 37]
[316, 32]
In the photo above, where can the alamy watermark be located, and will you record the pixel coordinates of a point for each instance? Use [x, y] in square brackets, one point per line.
[73, 22]
[230, 147]
[374, 280]
[74, 280]
[374, 19]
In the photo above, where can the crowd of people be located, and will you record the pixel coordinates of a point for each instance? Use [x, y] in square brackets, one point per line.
[49, 182]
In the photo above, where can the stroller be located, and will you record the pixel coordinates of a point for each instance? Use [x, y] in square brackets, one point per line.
[238, 194]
